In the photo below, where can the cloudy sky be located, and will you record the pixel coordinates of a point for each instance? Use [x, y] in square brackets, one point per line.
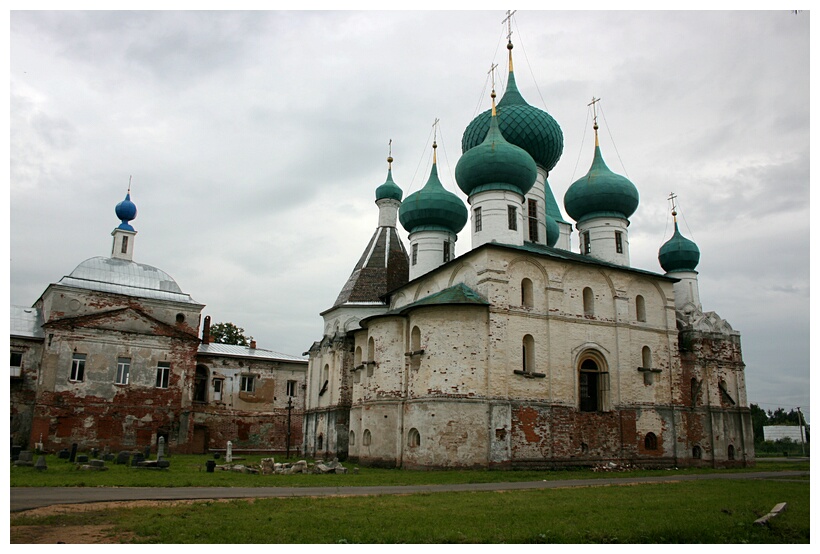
[255, 141]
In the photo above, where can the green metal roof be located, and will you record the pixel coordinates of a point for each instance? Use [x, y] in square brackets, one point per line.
[525, 126]
[553, 231]
[601, 193]
[679, 253]
[551, 205]
[389, 189]
[433, 208]
[495, 164]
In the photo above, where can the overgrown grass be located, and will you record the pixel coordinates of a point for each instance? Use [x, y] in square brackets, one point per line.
[189, 471]
[692, 512]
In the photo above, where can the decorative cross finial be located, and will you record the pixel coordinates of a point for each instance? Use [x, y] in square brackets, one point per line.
[508, 21]
[435, 131]
[594, 112]
[390, 154]
[671, 198]
[129, 184]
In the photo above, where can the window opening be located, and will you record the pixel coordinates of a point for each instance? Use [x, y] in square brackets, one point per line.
[16, 359]
[586, 248]
[124, 249]
[352, 440]
[696, 452]
[619, 244]
[640, 308]
[413, 438]
[201, 384]
[589, 302]
[123, 370]
[646, 357]
[477, 219]
[650, 442]
[512, 218]
[415, 254]
[247, 383]
[77, 368]
[447, 251]
[528, 354]
[320, 442]
[366, 437]
[593, 384]
[526, 293]
[731, 452]
[532, 213]
[163, 374]
[291, 388]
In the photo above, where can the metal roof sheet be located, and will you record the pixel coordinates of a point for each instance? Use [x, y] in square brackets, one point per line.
[217, 349]
[26, 322]
[125, 277]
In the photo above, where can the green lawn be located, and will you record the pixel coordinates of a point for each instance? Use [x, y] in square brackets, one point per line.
[691, 512]
[189, 471]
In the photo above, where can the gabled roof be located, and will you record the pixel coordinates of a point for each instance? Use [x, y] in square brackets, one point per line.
[235, 351]
[111, 319]
[459, 294]
[382, 267]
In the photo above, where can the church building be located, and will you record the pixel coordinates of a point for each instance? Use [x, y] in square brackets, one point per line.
[520, 352]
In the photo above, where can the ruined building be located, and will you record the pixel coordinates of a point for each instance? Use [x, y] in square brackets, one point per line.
[110, 355]
[520, 352]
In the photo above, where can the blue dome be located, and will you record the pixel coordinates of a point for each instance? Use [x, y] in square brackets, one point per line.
[126, 211]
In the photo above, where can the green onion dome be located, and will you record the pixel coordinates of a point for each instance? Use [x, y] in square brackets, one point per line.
[523, 125]
[601, 193]
[433, 208]
[553, 232]
[679, 253]
[389, 189]
[495, 164]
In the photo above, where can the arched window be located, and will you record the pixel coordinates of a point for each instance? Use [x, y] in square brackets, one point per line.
[650, 442]
[357, 357]
[526, 293]
[413, 438]
[366, 438]
[352, 439]
[528, 354]
[646, 357]
[320, 441]
[696, 452]
[731, 452]
[371, 355]
[593, 383]
[415, 346]
[589, 302]
[640, 308]
[201, 384]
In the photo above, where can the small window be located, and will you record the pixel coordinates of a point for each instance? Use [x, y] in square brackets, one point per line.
[589, 302]
[532, 219]
[163, 374]
[586, 248]
[351, 441]
[526, 293]
[447, 253]
[650, 442]
[320, 442]
[619, 243]
[731, 452]
[477, 219]
[413, 438]
[640, 308]
[366, 438]
[593, 386]
[218, 385]
[16, 359]
[696, 452]
[415, 254]
[77, 367]
[201, 384]
[123, 370]
[646, 357]
[124, 249]
[247, 383]
[512, 218]
[291, 388]
[528, 354]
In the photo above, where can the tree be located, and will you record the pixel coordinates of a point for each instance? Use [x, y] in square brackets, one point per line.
[759, 419]
[228, 333]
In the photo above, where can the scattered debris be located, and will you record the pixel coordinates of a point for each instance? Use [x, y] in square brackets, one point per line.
[777, 510]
